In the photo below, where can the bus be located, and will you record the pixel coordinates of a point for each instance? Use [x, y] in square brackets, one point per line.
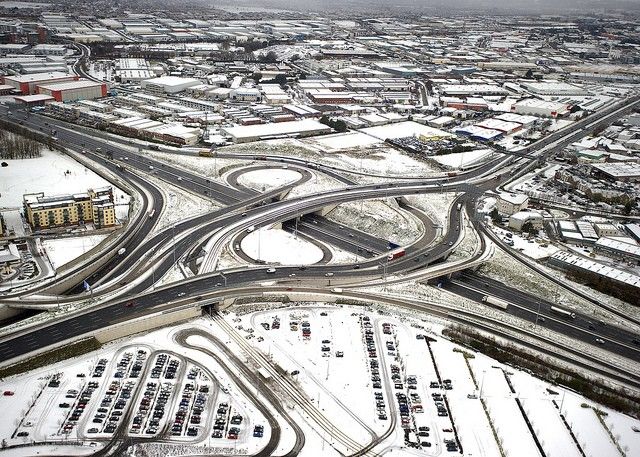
[495, 301]
[563, 312]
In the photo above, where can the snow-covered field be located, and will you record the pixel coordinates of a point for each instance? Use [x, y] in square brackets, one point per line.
[337, 383]
[267, 179]
[278, 246]
[463, 159]
[347, 140]
[53, 173]
[63, 250]
[404, 129]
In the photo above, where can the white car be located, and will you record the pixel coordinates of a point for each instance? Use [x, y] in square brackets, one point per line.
[271, 270]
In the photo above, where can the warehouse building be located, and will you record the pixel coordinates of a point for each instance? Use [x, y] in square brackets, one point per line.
[571, 262]
[169, 84]
[74, 90]
[618, 249]
[622, 171]
[543, 108]
[28, 84]
[92, 206]
[306, 127]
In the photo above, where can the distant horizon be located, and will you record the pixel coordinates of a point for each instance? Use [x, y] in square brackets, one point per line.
[542, 7]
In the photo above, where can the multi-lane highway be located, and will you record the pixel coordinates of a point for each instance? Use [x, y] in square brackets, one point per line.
[243, 213]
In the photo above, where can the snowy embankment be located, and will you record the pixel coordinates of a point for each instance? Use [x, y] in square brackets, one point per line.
[379, 219]
[179, 205]
[318, 183]
[434, 205]
[209, 167]
[504, 268]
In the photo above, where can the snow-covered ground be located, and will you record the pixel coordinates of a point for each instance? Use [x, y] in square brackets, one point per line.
[383, 161]
[318, 183]
[379, 160]
[464, 159]
[53, 173]
[63, 250]
[267, 179]
[404, 129]
[347, 140]
[278, 246]
[435, 205]
[339, 387]
[179, 205]
[531, 248]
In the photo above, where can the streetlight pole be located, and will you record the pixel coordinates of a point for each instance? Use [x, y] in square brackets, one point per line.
[173, 236]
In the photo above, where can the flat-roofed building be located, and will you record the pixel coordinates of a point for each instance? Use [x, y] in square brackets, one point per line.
[28, 84]
[246, 133]
[72, 91]
[511, 203]
[62, 210]
[543, 108]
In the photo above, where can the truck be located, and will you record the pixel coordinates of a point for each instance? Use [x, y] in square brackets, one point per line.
[495, 301]
[121, 251]
[205, 153]
[563, 312]
[396, 254]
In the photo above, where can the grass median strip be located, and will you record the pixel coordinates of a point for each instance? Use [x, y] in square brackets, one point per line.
[50, 357]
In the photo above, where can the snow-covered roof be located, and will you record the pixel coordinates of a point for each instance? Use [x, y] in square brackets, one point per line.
[514, 199]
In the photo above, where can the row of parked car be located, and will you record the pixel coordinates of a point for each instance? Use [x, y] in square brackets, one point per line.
[151, 409]
[79, 407]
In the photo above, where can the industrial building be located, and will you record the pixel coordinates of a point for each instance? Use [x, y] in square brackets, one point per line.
[246, 133]
[536, 107]
[571, 262]
[618, 249]
[74, 90]
[169, 84]
[28, 84]
[92, 206]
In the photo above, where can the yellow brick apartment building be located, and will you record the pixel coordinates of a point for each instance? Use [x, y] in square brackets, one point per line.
[94, 206]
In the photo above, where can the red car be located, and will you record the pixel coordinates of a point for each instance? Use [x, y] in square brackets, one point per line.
[130, 304]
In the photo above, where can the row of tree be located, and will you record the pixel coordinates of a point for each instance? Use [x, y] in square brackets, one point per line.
[18, 147]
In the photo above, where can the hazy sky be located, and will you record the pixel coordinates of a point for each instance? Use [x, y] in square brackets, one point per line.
[529, 6]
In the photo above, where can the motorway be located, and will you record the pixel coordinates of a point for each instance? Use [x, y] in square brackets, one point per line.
[148, 301]
[582, 327]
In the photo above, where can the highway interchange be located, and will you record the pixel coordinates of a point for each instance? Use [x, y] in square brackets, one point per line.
[126, 284]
